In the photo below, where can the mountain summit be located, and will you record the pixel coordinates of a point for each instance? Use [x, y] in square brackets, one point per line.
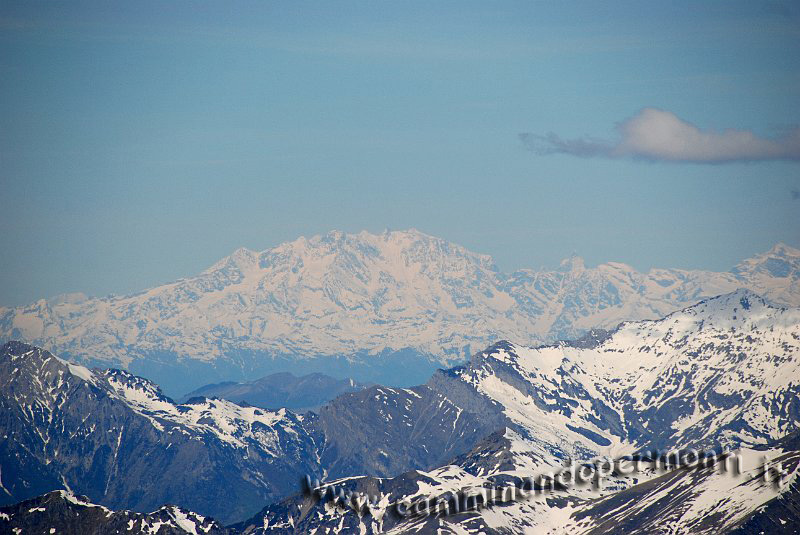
[375, 300]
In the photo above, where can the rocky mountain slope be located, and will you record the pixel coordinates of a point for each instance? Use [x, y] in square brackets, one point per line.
[397, 304]
[114, 437]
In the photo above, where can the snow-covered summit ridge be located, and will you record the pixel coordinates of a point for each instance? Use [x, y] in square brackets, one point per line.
[362, 294]
[722, 373]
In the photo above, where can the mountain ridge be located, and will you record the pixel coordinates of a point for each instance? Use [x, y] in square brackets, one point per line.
[366, 303]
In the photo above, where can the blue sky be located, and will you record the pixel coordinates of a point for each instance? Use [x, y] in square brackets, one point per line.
[140, 142]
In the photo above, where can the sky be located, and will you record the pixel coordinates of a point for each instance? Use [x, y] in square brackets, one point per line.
[140, 142]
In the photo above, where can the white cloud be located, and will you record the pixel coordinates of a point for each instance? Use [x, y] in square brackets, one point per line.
[659, 135]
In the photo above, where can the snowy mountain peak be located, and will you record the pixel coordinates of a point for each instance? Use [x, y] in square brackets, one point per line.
[742, 298]
[748, 302]
[781, 261]
[736, 312]
[720, 372]
[572, 264]
[123, 381]
[242, 259]
[36, 362]
[366, 298]
[781, 249]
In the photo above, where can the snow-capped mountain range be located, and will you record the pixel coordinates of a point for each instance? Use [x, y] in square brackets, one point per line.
[714, 376]
[325, 303]
[722, 374]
